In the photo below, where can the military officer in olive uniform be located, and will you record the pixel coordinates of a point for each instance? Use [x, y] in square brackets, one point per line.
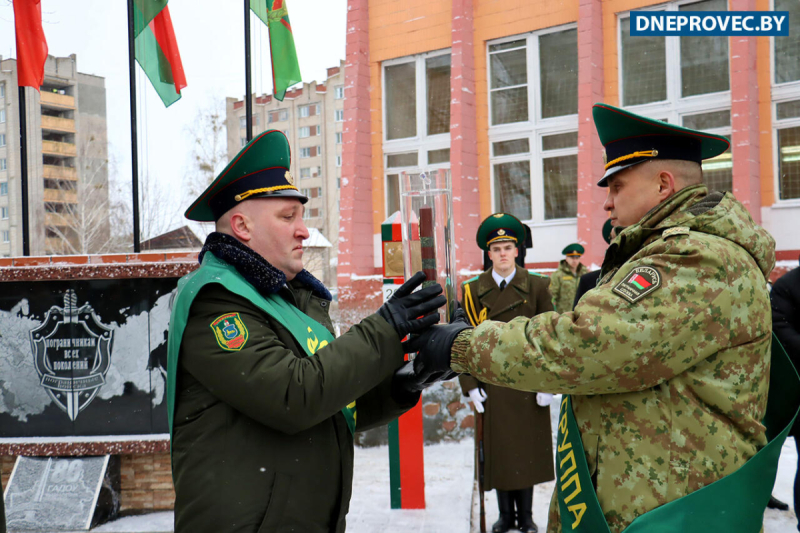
[262, 400]
[517, 436]
[564, 281]
[665, 365]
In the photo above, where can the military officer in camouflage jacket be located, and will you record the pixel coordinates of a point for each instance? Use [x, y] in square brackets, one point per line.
[667, 361]
[564, 281]
[518, 440]
[262, 400]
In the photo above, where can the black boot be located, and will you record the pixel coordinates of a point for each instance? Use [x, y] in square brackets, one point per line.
[524, 501]
[506, 506]
[775, 503]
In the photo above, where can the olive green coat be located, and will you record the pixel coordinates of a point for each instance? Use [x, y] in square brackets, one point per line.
[259, 443]
[668, 388]
[518, 440]
[564, 285]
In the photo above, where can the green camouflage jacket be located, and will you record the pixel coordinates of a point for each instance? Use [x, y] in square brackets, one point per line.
[667, 360]
[564, 284]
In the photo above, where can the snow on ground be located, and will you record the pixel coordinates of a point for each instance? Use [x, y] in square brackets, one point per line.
[448, 496]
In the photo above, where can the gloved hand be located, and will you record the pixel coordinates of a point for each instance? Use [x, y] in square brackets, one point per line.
[544, 398]
[477, 396]
[404, 309]
[406, 383]
[433, 346]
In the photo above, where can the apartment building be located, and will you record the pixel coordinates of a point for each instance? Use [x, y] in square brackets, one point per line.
[67, 161]
[311, 116]
[501, 95]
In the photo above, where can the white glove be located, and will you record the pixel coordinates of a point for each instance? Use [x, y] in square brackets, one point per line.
[544, 398]
[477, 397]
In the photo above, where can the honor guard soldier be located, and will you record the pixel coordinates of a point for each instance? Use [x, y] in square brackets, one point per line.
[665, 365]
[517, 437]
[262, 400]
[564, 281]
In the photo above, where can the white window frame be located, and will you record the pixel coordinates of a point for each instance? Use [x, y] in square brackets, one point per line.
[3, 213]
[338, 137]
[4, 188]
[338, 92]
[2, 116]
[338, 115]
[3, 164]
[675, 105]
[2, 139]
[2, 90]
[534, 130]
[305, 152]
[6, 236]
[305, 132]
[338, 161]
[780, 93]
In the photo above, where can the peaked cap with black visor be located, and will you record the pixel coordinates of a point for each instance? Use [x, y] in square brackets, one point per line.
[259, 170]
[630, 139]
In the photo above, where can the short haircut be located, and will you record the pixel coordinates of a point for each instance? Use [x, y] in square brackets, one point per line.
[686, 172]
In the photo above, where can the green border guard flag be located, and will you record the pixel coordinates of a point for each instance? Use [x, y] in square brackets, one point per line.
[156, 49]
[285, 68]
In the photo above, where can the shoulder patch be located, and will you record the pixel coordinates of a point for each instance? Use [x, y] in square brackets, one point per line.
[677, 230]
[230, 332]
[640, 282]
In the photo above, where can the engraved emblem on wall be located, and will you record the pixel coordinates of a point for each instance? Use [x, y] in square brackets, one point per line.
[72, 354]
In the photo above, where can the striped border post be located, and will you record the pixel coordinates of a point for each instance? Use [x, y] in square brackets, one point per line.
[406, 461]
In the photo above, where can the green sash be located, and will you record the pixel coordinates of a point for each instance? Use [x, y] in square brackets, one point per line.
[309, 333]
[734, 503]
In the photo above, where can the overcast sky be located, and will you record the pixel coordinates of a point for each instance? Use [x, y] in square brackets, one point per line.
[210, 36]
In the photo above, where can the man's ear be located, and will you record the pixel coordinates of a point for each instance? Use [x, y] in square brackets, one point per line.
[666, 184]
[240, 227]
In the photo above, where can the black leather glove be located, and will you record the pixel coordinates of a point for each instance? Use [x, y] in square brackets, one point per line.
[405, 307]
[433, 347]
[406, 382]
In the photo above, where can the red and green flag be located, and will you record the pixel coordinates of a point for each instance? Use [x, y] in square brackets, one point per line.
[640, 282]
[156, 49]
[285, 68]
[31, 44]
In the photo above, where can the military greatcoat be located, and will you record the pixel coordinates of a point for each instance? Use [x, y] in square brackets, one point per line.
[259, 442]
[517, 434]
[669, 379]
[564, 285]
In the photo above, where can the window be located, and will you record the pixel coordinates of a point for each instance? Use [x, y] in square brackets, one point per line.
[787, 49]
[2, 115]
[4, 213]
[439, 156]
[279, 115]
[4, 189]
[6, 236]
[243, 141]
[437, 89]
[309, 110]
[2, 90]
[2, 139]
[305, 173]
[242, 122]
[718, 171]
[338, 137]
[313, 192]
[533, 87]
[400, 90]
[338, 92]
[3, 164]
[339, 115]
[286, 132]
[648, 65]
[787, 135]
[310, 151]
[309, 131]
[313, 212]
[338, 160]
[305, 152]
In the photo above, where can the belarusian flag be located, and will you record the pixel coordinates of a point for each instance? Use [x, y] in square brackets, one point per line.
[285, 69]
[640, 282]
[31, 44]
[156, 49]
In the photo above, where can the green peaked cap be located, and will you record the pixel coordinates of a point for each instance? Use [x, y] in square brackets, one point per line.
[630, 139]
[259, 170]
[573, 249]
[500, 227]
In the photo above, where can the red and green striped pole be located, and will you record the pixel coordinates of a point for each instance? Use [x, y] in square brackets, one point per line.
[406, 460]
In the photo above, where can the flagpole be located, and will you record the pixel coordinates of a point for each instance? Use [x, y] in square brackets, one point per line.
[23, 149]
[134, 140]
[248, 104]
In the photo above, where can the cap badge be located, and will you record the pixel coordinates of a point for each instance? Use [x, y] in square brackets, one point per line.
[289, 178]
[501, 232]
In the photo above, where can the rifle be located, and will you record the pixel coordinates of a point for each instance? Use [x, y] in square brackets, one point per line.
[481, 458]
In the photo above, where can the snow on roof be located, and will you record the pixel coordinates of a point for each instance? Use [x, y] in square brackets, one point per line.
[316, 239]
